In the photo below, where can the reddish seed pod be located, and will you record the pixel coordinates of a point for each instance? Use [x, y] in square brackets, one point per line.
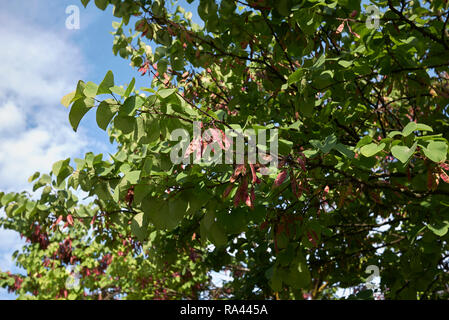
[239, 170]
[253, 172]
[280, 178]
[70, 219]
[227, 191]
[237, 199]
[249, 201]
[444, 176]
[340, 28]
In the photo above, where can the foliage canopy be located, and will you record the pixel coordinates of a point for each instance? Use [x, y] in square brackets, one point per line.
[362, 116]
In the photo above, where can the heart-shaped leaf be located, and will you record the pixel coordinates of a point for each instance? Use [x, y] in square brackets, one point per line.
[371, 149]
[403, 153]
[412, 126]
[436, 151]
[440, 229]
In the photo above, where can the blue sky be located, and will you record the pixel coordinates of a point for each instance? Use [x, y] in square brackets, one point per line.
[41, 61]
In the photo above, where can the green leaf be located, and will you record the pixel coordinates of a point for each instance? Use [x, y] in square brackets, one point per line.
[344, 150]
[306, 106]
[296, 76]
[130, 88]
[275, 279]
[90, 90]
[344, 63]
[157, 211]
[118, 90]
[403, 153]
[80, 163]
[132, 177]
[319, 62]
[34, 177]
[392, 134]
[139, 226]
[67, 99]
[130, 105]
[7, 198]
[85, 3]
[139, 131]
[217, 235]
[296, 125]
[412, 126]
[283, 7]
[105, 113]
[164, 93]
[79, 92]
[140, 192]
[299, 275]
[325, 146]
[124, 123]
[106, 84]
[436, 151]
[11, 209]
[285, 146]
[44, 179]
[101, 4]
[59, 165]
[440, 229]
[371, 149]
[77, 112]
[164, 214]
[177, 210]
[423, 127]
[116, 24]
[364, 141]
[153, 130]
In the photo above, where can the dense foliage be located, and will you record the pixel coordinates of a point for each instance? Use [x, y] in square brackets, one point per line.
[360, 100]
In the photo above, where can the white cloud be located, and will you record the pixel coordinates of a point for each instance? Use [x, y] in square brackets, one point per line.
[39, 66]
[11, 117]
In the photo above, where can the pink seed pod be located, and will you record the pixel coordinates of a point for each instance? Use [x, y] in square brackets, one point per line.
[280, 178]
